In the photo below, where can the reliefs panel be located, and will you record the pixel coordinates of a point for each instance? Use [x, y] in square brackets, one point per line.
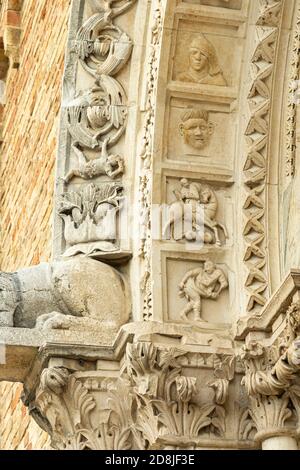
[195, 164]
[206, 54]
[201, 133]
[197, 290]
[195, 212]
[95, 116]
[91, 218]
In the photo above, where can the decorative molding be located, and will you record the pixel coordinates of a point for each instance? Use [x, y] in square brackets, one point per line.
[257, 139]
[292, 100]
[146, 156]
[93, 122]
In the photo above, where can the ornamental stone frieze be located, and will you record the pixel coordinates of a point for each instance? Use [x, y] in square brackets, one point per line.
[169, 315]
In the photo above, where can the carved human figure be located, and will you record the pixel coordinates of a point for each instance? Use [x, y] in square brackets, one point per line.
[196, 128]
[191, 198]
[204, 66]
[110, 165]
[206, 282]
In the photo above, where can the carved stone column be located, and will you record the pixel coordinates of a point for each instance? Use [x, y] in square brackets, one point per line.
[272, 383]
[146, 399]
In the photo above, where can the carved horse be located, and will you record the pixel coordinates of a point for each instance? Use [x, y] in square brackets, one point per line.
[209, 203]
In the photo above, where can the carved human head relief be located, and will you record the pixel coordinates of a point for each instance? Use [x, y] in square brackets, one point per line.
[203, 64]
[196, 128]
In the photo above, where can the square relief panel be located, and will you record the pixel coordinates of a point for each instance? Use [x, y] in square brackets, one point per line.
[207, 54]
[199, 214]
[198, 292]
[200, 132]
[233, 4]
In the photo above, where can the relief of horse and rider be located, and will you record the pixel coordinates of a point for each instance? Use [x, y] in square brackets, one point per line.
[193, 215]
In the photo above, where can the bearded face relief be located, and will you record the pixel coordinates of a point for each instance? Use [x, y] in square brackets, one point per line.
[203, 66]
[196, 129]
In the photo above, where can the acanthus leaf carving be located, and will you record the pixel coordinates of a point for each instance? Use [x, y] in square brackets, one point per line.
[90, 218]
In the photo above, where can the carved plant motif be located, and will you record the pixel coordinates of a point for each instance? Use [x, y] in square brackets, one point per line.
[67, 405]
[269, 413]
[90, 218]
[165, 397]
[224, 373]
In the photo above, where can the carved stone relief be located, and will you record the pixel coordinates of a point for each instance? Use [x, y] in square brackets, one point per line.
[91, 218]
[256, 163]
[152, 405]
[146, 157]
[199, 133]
[195, 128]
[95, 117]
[198, 290]
[203, 63]
[193, 215]
[200, 53]
[206, 282]
[54, 295]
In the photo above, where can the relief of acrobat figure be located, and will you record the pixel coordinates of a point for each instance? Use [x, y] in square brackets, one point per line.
[110, 165]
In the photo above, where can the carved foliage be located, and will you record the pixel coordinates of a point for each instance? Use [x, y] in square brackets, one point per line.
[271, 383]
[67, 405]
[152, 403]
[166, 397]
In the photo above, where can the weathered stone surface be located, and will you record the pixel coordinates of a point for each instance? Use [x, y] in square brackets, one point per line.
[50, 295]
[182, 115]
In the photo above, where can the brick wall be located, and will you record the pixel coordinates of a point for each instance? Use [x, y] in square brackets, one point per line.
[30, 126]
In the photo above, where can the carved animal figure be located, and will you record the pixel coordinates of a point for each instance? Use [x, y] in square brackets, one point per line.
[51, 295]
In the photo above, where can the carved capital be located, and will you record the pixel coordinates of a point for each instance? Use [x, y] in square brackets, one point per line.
[151, 403]
[271, 381]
